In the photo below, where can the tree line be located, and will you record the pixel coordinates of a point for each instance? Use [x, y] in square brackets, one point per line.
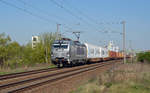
[13, 55]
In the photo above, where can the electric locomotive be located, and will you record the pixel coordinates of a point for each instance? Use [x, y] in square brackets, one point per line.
[68, 52]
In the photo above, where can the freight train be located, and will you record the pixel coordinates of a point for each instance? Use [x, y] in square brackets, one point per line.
[68, 52]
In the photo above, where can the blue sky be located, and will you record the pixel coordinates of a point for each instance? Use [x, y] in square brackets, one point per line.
[97, 16]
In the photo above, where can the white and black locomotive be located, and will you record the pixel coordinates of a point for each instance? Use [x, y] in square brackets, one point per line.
[67, 52]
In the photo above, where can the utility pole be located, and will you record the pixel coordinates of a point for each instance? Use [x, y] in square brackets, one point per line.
[58, 34]
[124, 42]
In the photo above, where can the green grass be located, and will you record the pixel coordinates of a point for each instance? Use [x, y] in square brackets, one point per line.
[134, 78]
[23, 69]
[129, 87]
[52, 66]
[3, 72]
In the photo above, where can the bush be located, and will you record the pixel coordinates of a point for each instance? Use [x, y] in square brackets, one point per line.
[142, 57]
[13, 55]
[108, 84]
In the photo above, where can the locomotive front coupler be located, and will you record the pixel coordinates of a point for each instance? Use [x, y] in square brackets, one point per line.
[60, 64]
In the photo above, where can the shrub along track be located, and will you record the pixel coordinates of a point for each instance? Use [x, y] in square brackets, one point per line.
[34, 82]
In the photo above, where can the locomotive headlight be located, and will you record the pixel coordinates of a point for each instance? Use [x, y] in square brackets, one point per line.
[52, 54]
[68, 54]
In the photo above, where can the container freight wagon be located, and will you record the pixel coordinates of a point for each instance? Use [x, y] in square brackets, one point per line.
[120, 55]
[113, 50]
[96, 53]
[105, 54]
[117, 54]
[112, 54]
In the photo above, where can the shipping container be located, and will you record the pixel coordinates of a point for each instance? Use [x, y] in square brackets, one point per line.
[96, 53]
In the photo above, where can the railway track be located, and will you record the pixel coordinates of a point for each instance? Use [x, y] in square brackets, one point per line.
[20, 74]
[30, 83]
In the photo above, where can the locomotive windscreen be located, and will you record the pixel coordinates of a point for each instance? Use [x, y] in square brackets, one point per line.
[60, 46]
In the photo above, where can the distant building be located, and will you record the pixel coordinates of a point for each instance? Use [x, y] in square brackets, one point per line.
[35, 40]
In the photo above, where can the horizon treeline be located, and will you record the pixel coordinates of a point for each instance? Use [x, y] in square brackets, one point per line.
[13, 55]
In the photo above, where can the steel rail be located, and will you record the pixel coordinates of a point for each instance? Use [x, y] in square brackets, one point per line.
[84, 69]
[16, 75]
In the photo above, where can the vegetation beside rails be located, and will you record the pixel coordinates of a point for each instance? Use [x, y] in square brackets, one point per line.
[143, 57]
[128, 78]
[14, 56]
[24, 69]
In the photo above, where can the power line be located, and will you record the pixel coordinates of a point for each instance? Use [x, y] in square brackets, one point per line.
[37, 16]
[68, 11]
[72, 13]
[87, 16]
[30, 13]
[39, 9]
[94, 21]
[79, 12]
[82, 13]
[90, 18]
[26, 11]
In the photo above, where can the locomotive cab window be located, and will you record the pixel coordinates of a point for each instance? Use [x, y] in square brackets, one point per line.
[61, 46]
[64, 46]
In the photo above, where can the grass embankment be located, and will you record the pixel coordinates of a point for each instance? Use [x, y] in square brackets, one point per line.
[128, 78]
[23, 69]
